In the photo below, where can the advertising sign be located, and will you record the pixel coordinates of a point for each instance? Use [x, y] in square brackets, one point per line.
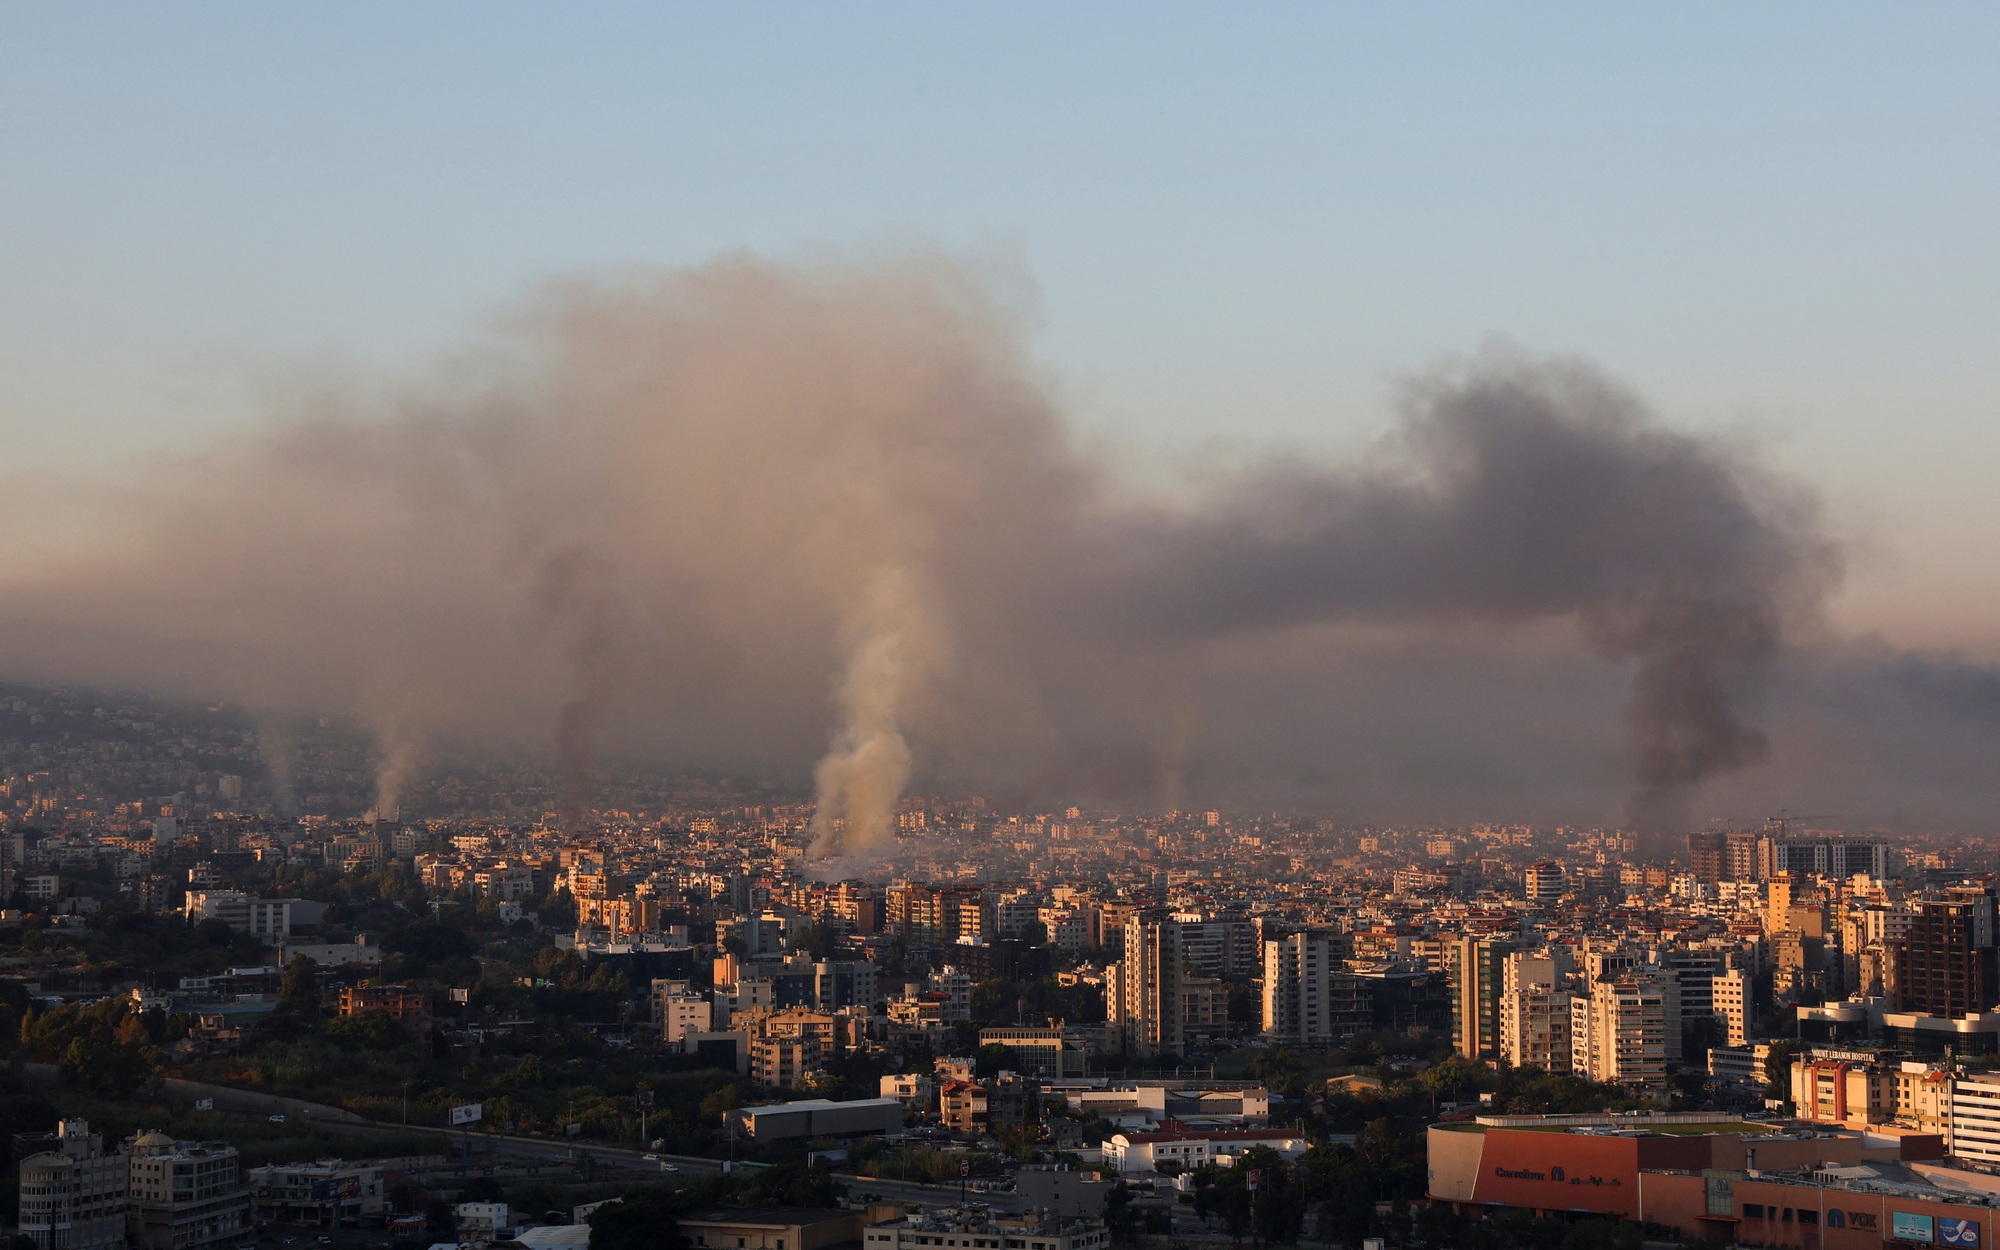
[475, 1110]
[1906, 1227]
[1253, 1178]
[1951, 1232]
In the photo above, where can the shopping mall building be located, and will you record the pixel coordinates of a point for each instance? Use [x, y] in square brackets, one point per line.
[1696, 1175]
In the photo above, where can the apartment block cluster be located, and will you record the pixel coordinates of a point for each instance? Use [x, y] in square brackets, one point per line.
[1571, 949]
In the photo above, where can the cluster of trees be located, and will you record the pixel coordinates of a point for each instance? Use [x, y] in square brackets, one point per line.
[109, 1048]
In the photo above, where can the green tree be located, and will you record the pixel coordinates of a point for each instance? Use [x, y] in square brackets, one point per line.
[1778, 1067]
[370, 1030]
[1278, 1068]
[1444, 1079]
[298, 990]
[647, 1217]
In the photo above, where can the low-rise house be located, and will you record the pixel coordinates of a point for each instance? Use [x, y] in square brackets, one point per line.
[1144, 1152]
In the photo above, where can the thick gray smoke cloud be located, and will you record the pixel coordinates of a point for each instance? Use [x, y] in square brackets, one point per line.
[1518, 491]
[756, 517]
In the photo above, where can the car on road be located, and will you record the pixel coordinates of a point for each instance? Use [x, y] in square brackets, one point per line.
[652, 1158]
[670, 1167]
[277, 1119]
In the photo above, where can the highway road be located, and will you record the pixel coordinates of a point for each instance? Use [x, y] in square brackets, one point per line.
[486, 1145]
[340, 1120]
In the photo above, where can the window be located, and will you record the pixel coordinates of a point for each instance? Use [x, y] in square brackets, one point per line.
[1753, 1210]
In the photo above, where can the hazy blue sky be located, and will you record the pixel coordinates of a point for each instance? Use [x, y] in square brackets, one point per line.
[1243, 221]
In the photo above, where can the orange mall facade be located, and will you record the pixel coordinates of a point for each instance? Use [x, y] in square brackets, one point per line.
[1698, 1184]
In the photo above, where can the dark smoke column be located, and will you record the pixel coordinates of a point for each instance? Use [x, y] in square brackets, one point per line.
[1518, 491]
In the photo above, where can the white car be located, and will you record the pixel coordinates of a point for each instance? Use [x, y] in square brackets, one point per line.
[652, 1158]
[277, 1119]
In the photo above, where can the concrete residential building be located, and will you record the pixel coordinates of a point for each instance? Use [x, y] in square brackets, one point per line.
[186, 1195]
[1143, 992]
[1477, 968]
[1144, 1152]
[1730, 993]
[268, 918]
[1619, 1034]
[1543, 881]
[784, 1062]
[1051, 1053]
[74, 1197]
[327, 1194]
[1535, 1012]
[1945, 964]
[682, 1014]
[1303, 1000]
[408, 1007]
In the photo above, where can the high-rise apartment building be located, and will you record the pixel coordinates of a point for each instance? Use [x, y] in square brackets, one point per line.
[1307, 994]
[1219, 946]
[1477, 969]
[1945, 964]
[1821, 856]
[1143, 992]
[1729, 995]
[1628, 1029]
[1534, 1014]
[1717, 855]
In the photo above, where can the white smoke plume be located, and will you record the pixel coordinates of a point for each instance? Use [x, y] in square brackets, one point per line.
[658, 517]
[889, 642]
[402, 752]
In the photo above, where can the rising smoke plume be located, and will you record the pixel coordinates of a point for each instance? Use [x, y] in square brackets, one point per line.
[860, 779]
[753, 516]
[1520, 490]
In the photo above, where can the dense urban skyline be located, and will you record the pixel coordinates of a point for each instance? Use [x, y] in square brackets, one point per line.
[657, 627]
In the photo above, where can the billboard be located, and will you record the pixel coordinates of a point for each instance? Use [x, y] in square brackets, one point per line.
[1951, 1232]
[1904, 1226]
[467, 1114]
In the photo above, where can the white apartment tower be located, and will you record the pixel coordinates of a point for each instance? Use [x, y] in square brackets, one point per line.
[1298, 987]
[1627, 1030]
[1534, 1014]
[1732, 1003]
[1144, 994]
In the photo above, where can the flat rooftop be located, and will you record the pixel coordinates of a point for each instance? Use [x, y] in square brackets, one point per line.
[1634, 1129]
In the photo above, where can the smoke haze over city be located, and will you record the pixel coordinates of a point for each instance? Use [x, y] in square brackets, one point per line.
[784, 518]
